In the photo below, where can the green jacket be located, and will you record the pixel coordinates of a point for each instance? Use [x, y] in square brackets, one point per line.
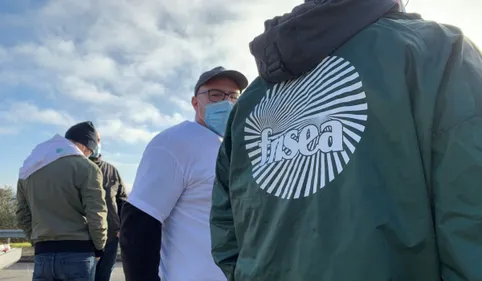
[368, 166]
[61, 199]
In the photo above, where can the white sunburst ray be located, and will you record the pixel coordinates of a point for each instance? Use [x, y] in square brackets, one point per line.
[314, 73]
[345, 157]
[280, 173]
[352, 134]
[336, 102]
[329, 65]
[329, 163]
[347, 108]
[323, 170]
[309, 120]
[302, 120]
[299, 101]
[260, 169]
[294, 123]
[250, 131]
[311, 167]
[339, 167]
[359, 117]
[288, 175]
[270, 173]
[251, 137]
[251, 124]
[284, 95]
[333, 68]
[316, 106]
[348, 144]
[335, 92]
[255, 161]
[316, 85]
[327, 60]
[320, 71]
[313, 76]
[278, 89]
[284, 117]
[263, 103]
[299, 185]
[254, 152]
[285, 92]
[350, 124]
[329, 72]
[336, 82]
[254, 120]
[252, 144]
[285, 175]
[288, 95]
[322, 92]
[316, 173]
[289, 186]
[258, 110]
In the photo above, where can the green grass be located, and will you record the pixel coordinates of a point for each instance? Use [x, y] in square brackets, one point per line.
[21, 245]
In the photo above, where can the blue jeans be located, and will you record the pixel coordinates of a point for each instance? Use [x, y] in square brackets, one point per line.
[64, 267]
[106, 264]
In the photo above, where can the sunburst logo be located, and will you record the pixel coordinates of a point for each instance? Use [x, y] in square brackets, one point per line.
[302, 133]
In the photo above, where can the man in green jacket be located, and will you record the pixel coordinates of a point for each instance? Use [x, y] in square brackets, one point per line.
[357, 153]
[61, 206]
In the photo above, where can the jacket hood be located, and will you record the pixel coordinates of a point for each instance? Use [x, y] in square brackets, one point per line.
[294, 43]
[46, 153]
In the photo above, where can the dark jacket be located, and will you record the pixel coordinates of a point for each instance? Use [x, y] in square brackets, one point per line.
[357, 153]
[115, 196]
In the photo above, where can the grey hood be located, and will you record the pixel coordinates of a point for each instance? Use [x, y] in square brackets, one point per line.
[294, 43]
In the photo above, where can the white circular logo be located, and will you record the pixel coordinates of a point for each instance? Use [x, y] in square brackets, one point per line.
[302, 133]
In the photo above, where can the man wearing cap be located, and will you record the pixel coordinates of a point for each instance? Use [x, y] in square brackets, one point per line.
[170, 202]
[115, 196]
[61, 206]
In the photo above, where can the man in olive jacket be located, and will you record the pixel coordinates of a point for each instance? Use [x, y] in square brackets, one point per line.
[61, 205]
[357, 153]
[115, 196]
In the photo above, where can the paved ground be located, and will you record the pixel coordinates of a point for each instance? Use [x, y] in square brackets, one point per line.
[23, 272]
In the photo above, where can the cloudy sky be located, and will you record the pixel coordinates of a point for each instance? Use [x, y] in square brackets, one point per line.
[130, 65]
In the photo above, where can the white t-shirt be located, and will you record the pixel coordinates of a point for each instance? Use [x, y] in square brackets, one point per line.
[173, 184]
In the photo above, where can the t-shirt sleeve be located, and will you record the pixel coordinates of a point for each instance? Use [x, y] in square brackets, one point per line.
[159, 183]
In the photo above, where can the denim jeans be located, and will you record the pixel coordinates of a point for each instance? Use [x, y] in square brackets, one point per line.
[107, 262]
[64, 267]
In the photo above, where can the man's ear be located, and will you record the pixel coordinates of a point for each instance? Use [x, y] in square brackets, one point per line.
[194, 102]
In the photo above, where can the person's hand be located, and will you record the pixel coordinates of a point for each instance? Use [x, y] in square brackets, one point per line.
[118, 234]
[97, 258]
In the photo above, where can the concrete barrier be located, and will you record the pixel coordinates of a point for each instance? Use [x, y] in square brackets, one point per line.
[10, 258]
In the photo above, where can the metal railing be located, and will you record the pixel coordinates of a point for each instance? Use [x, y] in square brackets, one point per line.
[11, 233]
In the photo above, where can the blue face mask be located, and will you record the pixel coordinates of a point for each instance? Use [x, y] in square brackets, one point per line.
[216, 116]
[96, 152]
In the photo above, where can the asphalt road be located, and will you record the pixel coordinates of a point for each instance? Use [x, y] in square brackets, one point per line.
[23, 272]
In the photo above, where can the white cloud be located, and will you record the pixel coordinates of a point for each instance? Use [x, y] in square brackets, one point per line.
[131, 65]
[23, 112]
[8, 131]
[115, 128]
